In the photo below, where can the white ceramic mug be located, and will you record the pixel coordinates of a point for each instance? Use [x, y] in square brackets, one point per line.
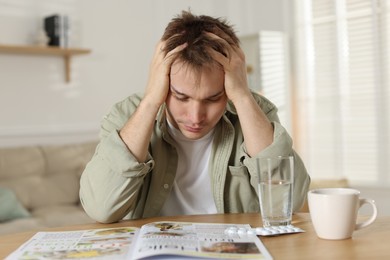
[334, 212]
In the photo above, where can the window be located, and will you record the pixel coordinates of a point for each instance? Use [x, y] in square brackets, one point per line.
[266, 55]
[342, 88]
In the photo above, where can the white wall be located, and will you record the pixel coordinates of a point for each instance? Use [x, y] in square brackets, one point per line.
[37, 106]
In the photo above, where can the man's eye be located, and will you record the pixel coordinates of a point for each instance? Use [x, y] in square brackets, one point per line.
[182, 99]
[212, 100]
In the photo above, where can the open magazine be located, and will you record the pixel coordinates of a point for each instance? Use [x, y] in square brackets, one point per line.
[162, 240]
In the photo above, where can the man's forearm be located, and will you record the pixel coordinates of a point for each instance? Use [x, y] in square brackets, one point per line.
[136, 133]
[257, 129]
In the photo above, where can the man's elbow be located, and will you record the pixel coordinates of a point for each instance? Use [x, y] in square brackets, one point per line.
[100, 213]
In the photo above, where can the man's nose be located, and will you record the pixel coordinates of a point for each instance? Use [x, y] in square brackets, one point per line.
[197, 112]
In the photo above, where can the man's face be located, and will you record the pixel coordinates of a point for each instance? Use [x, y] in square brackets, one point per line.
[196, 101]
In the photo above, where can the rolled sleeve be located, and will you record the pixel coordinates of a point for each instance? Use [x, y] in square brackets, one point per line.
[281, 146]
[118, 156]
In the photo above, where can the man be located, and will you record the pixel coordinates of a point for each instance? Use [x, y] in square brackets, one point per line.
[189, 144]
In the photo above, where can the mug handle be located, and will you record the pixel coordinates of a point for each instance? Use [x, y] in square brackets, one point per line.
[373, 216]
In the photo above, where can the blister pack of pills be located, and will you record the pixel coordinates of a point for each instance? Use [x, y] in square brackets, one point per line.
[264, 231]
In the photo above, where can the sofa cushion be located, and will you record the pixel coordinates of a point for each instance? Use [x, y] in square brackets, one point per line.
[21, 225]
[45, 180]
[43, 218]
[23, 164]
[45, 175]
[10, 206]
[61, 215]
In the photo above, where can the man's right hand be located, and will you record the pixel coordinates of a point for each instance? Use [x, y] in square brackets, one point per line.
[137, 131]
[158, 83]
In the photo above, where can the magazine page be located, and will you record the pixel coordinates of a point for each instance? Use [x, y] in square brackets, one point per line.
[107, 243]
[195, 240]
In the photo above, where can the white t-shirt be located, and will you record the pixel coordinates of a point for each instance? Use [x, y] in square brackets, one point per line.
[191, 192]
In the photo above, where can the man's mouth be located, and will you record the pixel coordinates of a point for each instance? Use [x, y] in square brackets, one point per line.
[193, 129]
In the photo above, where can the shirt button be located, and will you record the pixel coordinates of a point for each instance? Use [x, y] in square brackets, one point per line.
[166, 186]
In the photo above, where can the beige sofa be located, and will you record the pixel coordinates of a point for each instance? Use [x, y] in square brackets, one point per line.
[39, 186]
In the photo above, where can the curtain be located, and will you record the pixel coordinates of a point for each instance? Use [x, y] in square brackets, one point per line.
[342, 90]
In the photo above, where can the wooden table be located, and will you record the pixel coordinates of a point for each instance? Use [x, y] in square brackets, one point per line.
[372, 242]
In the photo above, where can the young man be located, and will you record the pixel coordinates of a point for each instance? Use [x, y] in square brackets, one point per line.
[189, 144]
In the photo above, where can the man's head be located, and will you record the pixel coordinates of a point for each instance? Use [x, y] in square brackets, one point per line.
[197, 100]
[190, 29]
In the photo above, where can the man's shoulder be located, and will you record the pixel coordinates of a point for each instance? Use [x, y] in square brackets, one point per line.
[123, 109]
[132, 99]
[265, 104]
[130, 102]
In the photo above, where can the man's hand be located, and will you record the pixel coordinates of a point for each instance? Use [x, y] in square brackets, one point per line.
[236, 82]
[137, 131]
[158, 83]
[254, 123]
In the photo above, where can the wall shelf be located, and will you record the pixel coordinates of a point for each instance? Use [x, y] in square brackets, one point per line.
[66, 53]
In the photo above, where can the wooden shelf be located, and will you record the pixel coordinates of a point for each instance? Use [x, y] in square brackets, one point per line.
[66, 53]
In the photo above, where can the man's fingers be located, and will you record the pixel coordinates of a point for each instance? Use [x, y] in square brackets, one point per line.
[176, 50]
[220, 34]
[219, 57]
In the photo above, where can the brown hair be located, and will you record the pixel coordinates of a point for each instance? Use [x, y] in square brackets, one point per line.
[189, 28]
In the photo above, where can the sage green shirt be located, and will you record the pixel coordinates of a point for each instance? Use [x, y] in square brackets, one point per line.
[115, 186]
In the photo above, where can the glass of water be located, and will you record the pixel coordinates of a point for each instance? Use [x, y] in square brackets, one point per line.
[275, 189]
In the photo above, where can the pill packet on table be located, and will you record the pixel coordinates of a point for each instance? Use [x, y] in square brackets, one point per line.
[264, 231]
